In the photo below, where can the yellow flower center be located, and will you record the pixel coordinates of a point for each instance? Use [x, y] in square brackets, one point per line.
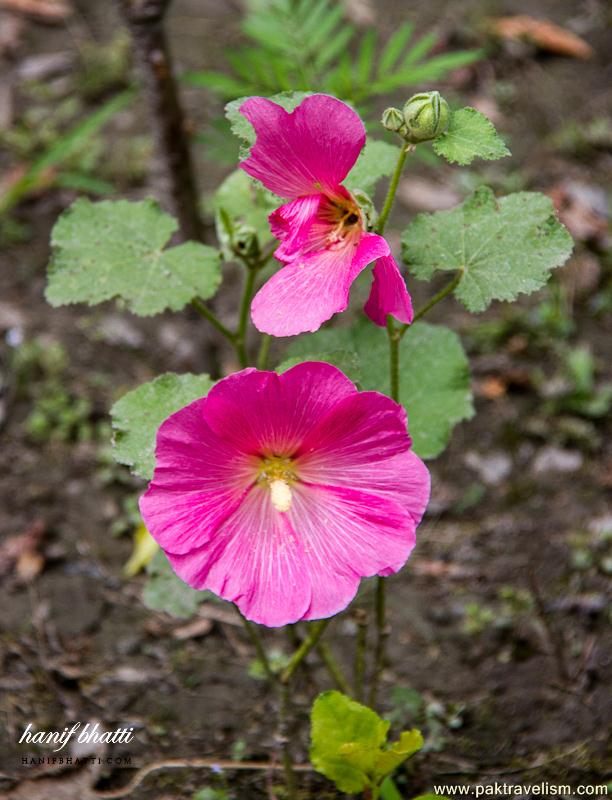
[276, 473]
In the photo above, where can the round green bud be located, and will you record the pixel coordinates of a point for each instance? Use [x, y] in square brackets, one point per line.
[245, 242]
[392, 119]
[426, 116]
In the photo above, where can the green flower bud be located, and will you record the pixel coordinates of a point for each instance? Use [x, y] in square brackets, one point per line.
[392, 119]
[245, 242]
[426, 116]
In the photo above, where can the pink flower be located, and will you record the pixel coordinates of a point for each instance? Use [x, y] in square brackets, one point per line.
[279, 492]
[304, 156]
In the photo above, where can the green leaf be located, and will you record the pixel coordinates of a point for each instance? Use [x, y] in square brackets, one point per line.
[165, 591]
[377, 160]
[434, 375]
[346, 739]
[407, 745]
[470, 135]
[348, 743]
[115, 249]
[51, 161]
[139, 413]
[389, 791]
[345, 360]
[394, 47]
[242, 201]
[505, 247]
[243, 129]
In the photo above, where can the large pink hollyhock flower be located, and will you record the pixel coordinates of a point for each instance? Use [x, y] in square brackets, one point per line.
[304, 156]
[279, 492]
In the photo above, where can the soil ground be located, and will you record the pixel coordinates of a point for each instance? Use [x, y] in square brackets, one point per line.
[501, 620]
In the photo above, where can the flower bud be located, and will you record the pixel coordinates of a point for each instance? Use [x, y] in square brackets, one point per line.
[392, 119]
[426, 116]
[245, 242]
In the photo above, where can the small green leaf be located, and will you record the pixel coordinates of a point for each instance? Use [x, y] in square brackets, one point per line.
[345, 360]
[115, 249]
[244, 202]
[505, 247]
[165, 591]
[470, 135]
[377, 160]
[139, 413]
[349, 743]
[346, 738]
[434, 374]
[243, 129]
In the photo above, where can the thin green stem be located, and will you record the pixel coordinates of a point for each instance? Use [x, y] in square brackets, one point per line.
[393, 334]
[316, 631]
[208, 314]
[259, 648]
[333, 667]
[382, 633]
[388, 204]
[264, 349]
[450, 287]
[360, 652]
[247, 295]
[284, 735]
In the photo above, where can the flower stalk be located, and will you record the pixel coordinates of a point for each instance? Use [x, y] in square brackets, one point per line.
[392, 190]
[204, 311]
[448, 289]
[300, 654]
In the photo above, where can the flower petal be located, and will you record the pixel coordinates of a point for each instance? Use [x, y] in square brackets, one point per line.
[292, 224]
[388, 294]
[199, 480]
[265, 412]
[347, 534]
[362, 428]
[307, 292]
[404, 478]
[309, 150]
[303, 564]
[255, 561]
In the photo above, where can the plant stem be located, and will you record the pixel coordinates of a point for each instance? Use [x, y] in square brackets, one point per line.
[245, 304]
[173, 167]
[388, 204]
[283, 730]
[450, 287]
[394, 340]
[333, 667]
[214, 320]
[259, 648]
[382, 634]
[264, 349]
[316, 631]
[360, 652]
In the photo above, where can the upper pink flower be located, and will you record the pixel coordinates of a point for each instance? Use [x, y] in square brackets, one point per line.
[304, 156]
[279, 492]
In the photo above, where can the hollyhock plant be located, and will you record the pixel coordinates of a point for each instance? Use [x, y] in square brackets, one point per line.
[280, 492]
[304, 156]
